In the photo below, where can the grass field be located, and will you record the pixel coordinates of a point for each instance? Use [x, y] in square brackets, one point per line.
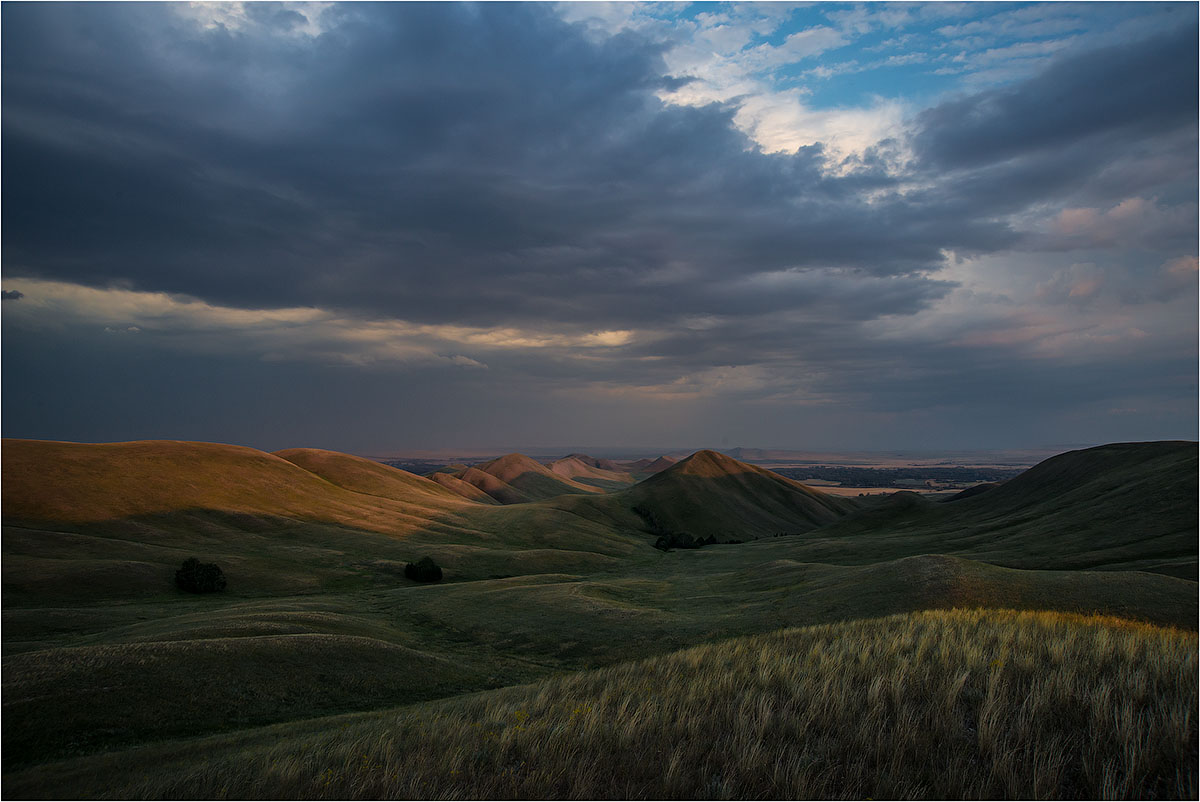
[104, 660]
[965, 705]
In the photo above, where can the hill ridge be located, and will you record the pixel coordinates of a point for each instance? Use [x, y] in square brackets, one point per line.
[531, 478]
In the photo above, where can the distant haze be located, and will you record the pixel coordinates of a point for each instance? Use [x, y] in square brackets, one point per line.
[386, 228]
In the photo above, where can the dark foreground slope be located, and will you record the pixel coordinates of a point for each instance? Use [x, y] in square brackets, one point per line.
[188, 666]
[960, 705]
[1126, 506]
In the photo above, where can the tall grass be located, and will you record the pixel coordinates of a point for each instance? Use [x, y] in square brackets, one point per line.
[959, 704]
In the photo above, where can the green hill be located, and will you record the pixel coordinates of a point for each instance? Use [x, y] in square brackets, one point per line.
[712, 495]
[947, 705]
[1127, 506]
[103, 653]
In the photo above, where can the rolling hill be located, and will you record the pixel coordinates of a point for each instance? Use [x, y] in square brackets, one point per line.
[365, 476]
[76, 482]
[90, 522]
[581, 469]
[102, 653]
[596, 462]
[651, 466]
[494, 486]
[1129, 506]
[530, 478]
[462, 488]
[712, 495]
[946, 705]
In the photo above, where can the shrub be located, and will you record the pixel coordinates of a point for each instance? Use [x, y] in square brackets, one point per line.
[197, 577]
[682, 540]
[424, 570]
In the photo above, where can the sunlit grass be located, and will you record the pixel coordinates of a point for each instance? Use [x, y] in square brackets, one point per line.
[960, 704]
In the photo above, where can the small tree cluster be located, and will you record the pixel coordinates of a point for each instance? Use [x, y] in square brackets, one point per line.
[682, 540]
[197, 577]
[423, 570]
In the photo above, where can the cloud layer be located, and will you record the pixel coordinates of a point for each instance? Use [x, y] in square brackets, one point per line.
[595, 207]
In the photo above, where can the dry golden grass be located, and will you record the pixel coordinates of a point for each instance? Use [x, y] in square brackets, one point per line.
[464, 489]
[575, 468]
[365, 476]
[497, 488]
[78, 482]
[527, 474]
[959, 704]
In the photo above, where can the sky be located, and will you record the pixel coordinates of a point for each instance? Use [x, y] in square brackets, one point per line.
[384, 227]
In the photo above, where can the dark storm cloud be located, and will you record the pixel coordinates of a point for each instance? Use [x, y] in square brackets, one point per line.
[11, 295]
[435, 162]
[1091, 129]
[484, 165]
[1135, 90]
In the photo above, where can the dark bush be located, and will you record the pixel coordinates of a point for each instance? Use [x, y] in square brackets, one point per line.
[681, 540]
[424, 570]
[197, 577]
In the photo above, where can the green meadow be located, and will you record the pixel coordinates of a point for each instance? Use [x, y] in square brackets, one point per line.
[1033, 641]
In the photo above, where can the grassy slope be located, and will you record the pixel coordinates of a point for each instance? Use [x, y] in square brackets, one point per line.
[89, 605]
[366, 476]
[464, 489]
[532, 478]
[495, 487]
[1127, 506]
[711, 494]
[493, 632]
[576, 469]
[86, 483]
[958, 705]
[86, 520]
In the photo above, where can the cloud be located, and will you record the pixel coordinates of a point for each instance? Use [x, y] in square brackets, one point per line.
[11, 295]
[624, 210]
[525, 183]
[783, 122]
[1079, 283]
[306, 334]
[1134, 221]
[1110, 91]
